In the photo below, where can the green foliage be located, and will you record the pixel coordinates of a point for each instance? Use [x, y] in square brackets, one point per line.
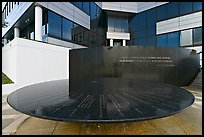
[4, 25]
[5, 79]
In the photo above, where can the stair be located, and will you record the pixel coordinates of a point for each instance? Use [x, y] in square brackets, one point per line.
[198, 79]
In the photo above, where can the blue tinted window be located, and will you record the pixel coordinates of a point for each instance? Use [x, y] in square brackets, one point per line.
[136, 42]
[141, 33]
[151, 41]
[44, 23]
[117, 24]
[173, 39]
[142, 21]
[151, 18]
[197, 6]
[133, 24]
[124, 25]
[67, 29]
[161, 13]
[185, 7]
[93, 10]
[54, 24]
[134, 34]
[197, 36]
[86, 7]
[162, 40]
[141, 41]
[78, 4]
[172, 9]
[98, 11]
[110, 24]
[151, 31]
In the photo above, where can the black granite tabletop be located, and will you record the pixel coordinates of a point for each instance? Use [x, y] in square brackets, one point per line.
[100, 100]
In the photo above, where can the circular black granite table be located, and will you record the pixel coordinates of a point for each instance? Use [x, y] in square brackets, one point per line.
[100, 100]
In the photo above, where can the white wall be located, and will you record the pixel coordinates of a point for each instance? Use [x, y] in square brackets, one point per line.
[134, 7]
[117, 35]
[28, 62]
[120, 6]
[9, 62]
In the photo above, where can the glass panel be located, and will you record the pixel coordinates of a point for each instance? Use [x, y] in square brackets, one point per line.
[135, 42]
[141, 33]
[117, 24]
[44, 23]
[172, 9]
[111, 24]
[124, 25]
[141, 41]
[197, 36]
[66, 28]
[186, 38]
[151, 18]
[185, 7]
[86, 7]
[173, 39]
[197, 6]
[98, 11]
[93, 10]
[54, 24]
[151, 31]
[133, 24]
[162, 40]
[43, 29]
[86, 37]
[117, 42]
[32, 35]
[74, 32]
[78, 4]
[151, 41]
[142, 21]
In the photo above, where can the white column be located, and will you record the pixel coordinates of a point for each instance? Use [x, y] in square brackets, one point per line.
[5, 41]
[38, 23]
[16, 32]
[111, 42]
[124, 42]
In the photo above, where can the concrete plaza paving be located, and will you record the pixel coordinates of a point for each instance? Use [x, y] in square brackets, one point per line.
[187, 122]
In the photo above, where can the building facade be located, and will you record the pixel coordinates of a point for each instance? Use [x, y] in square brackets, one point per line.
[92, 24]
[106, 23]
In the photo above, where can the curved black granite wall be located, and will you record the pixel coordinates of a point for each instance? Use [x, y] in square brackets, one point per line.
[177, 66]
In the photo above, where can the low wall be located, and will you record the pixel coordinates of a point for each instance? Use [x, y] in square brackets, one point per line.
[28, 62]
